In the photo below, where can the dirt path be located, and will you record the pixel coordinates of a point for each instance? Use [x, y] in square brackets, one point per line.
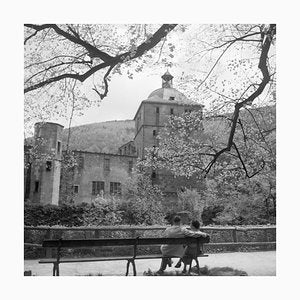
[254, 263]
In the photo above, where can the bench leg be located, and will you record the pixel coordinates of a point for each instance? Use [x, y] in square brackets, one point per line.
[190, 268]
[198, 267]
[197, 264]
[127, 267]
[55, 269]
[133, 267]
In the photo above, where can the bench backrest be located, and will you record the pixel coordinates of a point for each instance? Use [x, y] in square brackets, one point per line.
[122, 242]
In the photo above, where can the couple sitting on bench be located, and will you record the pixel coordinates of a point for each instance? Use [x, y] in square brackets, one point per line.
[185, 253]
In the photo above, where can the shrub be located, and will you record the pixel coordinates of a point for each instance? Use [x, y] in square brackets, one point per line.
[102, 212]
[191, 200]
[210, 213]
[142, 201]
[50, 215]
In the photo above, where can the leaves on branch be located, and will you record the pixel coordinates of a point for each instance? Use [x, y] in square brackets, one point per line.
[75, 40]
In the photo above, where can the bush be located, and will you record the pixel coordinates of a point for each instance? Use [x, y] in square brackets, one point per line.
[142, 201]
[210, 213]
[50, 215]
[191, 200]
[140, 205]
[102, 212]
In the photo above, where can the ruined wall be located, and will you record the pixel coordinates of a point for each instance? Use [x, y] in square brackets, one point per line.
[45, 171]
[93, 167]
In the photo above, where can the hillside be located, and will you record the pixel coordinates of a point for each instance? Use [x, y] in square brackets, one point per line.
[100, 137]
[109, 136]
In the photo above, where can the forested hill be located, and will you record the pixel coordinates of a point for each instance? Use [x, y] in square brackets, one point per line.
[100, 137]
[109, 136]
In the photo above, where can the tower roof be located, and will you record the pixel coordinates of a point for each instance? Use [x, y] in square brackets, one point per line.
[168, 95]
[167, 76]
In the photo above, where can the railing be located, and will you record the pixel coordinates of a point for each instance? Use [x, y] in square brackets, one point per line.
[233, 237]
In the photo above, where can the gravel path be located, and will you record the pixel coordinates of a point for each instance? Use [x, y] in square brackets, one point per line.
[254, 263]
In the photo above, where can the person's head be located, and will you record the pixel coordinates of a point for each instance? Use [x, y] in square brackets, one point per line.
[176, 220]
[195, 224]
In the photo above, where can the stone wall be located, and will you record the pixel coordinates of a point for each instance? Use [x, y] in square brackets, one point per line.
[45, 171]
[92, 168]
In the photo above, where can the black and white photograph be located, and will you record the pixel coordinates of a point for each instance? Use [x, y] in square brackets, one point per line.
[150, 150]
[149, 139]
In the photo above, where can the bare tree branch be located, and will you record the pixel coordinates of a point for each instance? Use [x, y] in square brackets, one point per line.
[93, 51]
[265, 80]
[108, 60]
[29, 37]
[244, 166]
[102, 96]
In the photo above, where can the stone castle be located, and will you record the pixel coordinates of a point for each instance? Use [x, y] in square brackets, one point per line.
[104, 173]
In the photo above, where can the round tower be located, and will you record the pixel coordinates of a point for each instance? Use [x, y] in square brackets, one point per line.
[45, 175]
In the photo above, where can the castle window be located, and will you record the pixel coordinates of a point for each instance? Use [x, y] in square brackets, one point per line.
[36, 186]
[154, 132]
[48, 165]
[75, 189]
[172, 111]
[130, 166]
[172, 98]
[97, 187]
[115, 188]
[58, 147]
[80, 162]
[157, 116]
[106, 164]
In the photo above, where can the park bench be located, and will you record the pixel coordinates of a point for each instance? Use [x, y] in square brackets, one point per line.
[116, 242]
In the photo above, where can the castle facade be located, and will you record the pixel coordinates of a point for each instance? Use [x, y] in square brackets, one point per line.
[47, 182]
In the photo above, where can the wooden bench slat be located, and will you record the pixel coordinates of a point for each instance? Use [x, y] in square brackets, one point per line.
[91, 259]
[83, 259]
[122, 242]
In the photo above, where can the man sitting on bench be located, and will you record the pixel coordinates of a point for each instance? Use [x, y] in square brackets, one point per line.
[175, 231]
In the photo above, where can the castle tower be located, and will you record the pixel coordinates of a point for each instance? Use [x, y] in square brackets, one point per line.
[154, 112]
[45, 173]
[151, 117]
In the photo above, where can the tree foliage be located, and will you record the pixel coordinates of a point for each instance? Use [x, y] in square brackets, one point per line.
[229, 66]
[64, 62]
[237, 64]
[143, 201]
[93, 48]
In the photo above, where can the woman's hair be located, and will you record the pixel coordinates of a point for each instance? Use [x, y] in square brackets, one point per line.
[196, 224]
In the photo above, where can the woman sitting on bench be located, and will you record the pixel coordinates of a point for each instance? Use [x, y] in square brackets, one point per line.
[190, 250]
[176, 231]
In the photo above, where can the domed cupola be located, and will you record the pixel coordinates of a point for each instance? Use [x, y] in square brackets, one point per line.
[168, 94]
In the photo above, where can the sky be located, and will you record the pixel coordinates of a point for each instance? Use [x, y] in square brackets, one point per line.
[123, 100]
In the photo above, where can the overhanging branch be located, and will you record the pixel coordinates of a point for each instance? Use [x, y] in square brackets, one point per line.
[108, 61]
[261, 86]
